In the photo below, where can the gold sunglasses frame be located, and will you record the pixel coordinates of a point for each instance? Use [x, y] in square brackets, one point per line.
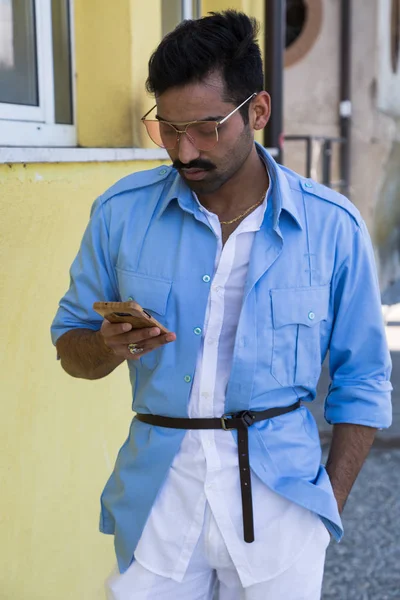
[179, 132]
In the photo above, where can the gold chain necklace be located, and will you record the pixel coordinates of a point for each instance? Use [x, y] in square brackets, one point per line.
[245, 212]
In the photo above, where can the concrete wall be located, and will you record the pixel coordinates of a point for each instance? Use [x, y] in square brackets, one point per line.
[373, 132]
[387, 210]
[312, 107]
[311, 87]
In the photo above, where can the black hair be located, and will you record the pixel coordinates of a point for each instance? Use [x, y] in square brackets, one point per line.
[223, 42]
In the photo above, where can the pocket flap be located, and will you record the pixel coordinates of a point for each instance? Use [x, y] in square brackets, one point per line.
[151, 293]
[301, 306]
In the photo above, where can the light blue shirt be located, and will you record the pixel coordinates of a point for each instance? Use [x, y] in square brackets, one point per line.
[311, 287]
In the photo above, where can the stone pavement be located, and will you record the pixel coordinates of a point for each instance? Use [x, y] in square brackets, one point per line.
[366, 564]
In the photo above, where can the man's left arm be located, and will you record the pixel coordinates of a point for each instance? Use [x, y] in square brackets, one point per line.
[349, 448]
[358, 402]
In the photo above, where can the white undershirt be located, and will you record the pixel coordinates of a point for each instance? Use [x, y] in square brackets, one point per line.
[206, 467]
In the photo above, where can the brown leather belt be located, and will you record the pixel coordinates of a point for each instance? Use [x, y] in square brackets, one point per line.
[240, 421]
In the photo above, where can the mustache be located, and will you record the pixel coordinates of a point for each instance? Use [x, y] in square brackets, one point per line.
[204, 165]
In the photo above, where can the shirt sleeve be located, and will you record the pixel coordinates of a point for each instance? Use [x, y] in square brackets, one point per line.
[359, 362]
[92, 279]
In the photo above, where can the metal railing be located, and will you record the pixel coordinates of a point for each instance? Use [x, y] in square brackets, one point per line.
[326, 152]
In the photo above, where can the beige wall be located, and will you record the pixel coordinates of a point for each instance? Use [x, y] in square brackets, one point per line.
[312, 102]
[373, 132]
[311, 91]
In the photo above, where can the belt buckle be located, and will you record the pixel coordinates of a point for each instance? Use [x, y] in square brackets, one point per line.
[245, 416]
[223, 423]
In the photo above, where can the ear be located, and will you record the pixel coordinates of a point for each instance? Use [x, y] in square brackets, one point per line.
[260, 110]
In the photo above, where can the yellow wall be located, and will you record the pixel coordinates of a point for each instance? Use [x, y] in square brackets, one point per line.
[146, 35]
[253, 8]
[113, 42]
[112, 52]
[59, 436]
[103, 71]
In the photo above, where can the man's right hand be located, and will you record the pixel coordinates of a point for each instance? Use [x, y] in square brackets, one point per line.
[92, 354]
[118, 336]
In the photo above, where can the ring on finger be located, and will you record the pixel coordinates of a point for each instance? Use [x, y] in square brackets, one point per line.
[133, 349]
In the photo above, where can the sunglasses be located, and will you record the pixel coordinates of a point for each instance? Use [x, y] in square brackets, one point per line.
[202, 134]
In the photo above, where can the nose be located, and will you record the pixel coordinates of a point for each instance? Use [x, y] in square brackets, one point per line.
[186, 150]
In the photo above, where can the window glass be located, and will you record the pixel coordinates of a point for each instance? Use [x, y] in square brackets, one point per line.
[296, 15]
[62, 61]
[18, 57]
[303, 26]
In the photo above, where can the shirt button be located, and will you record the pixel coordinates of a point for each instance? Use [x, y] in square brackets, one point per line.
[206, 278]
[311, 316]
[308, 184]
[187, 378]
[130, 299]
[197, 331]
[162, 172]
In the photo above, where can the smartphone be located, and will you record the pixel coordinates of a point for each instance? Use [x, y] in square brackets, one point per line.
[127, 312]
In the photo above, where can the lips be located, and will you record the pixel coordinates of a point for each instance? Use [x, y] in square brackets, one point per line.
[194, 174]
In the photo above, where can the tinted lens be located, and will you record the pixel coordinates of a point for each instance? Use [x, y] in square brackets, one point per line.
[203, 134]
[162, 134]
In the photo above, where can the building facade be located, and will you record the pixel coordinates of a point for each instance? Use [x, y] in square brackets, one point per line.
[72, 77]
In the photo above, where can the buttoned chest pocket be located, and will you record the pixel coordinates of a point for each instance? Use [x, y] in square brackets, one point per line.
[297, 314]
[152, 294]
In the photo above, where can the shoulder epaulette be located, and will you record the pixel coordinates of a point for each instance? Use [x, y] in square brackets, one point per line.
[309, 186]
[137, 180]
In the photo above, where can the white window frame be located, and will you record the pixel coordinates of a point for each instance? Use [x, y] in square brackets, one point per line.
[35, 125]
[26, 139]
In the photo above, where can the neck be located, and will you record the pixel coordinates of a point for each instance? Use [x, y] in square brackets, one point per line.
[241, 191]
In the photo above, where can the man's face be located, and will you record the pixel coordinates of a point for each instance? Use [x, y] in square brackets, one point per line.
[206, 171]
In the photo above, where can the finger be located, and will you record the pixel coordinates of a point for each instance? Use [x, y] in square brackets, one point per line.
[134, 336]
[113, 329]
[146, 346]
[157, 341]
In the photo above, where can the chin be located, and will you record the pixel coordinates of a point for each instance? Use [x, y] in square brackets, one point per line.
[204, 187]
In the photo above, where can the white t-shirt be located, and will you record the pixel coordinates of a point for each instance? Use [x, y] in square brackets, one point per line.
[206, 467]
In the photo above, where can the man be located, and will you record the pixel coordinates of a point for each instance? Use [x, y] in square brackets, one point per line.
[257, 273]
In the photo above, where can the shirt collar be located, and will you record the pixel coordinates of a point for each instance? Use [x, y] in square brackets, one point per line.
[181, 192]
[282, 196]
[252, 222]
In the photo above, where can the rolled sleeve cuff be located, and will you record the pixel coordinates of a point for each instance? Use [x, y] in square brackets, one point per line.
[58, 330]
[361, 403]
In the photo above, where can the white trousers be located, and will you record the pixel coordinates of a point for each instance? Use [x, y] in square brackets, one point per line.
[211, 574]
